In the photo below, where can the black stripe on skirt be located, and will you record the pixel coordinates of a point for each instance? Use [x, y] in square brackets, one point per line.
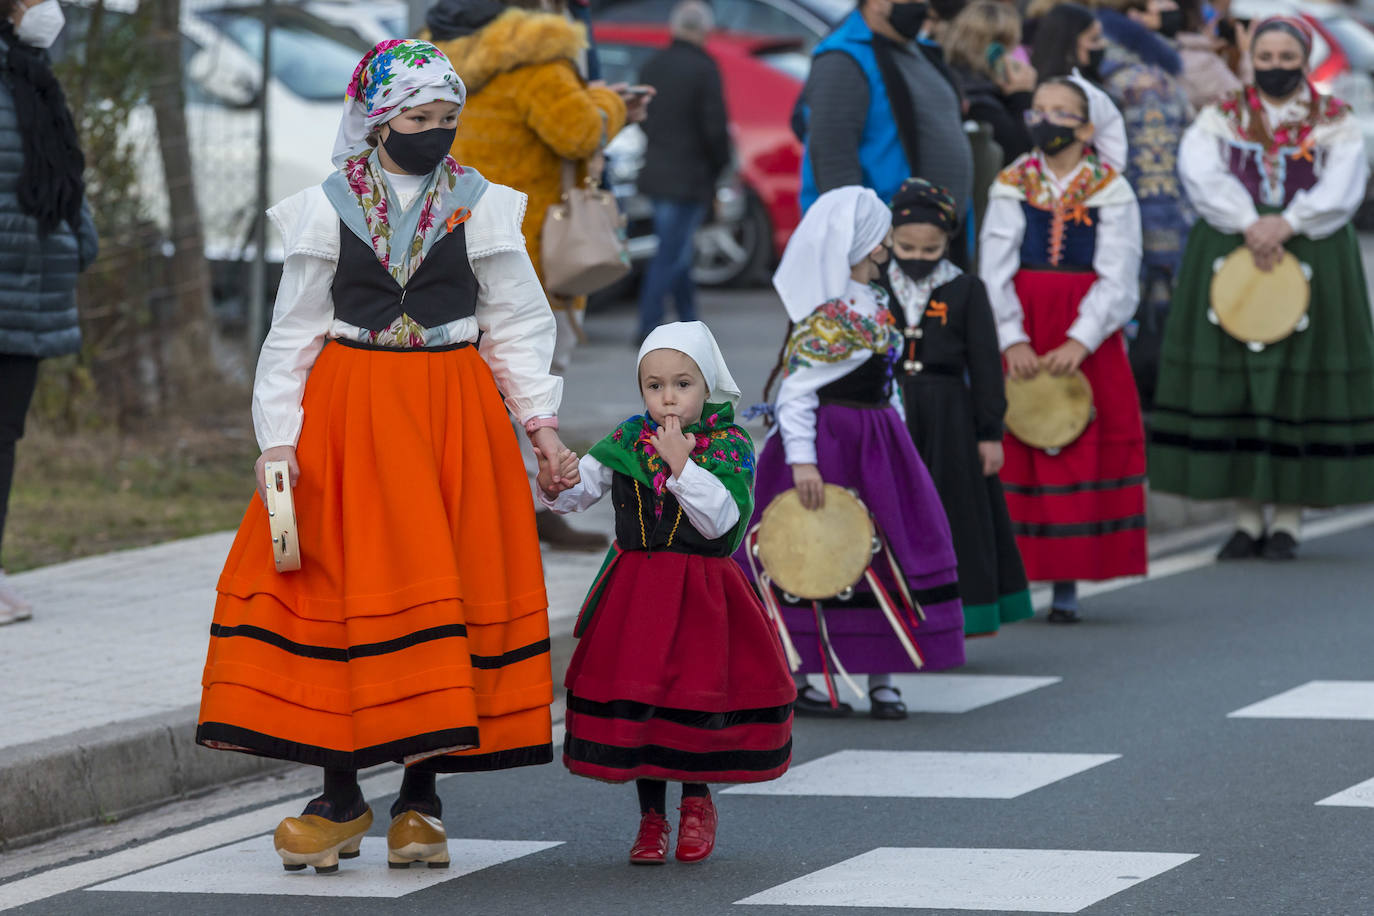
[1264, 446]
[1078, 529]
[212, 734]
[670, 758]
[368, 650]
[1086, 486]
[630, 711]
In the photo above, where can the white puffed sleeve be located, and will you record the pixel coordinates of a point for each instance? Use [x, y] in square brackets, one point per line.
[705, 501]
[518, 329]
[1218, 195]
[1112, 299]
[798, 401]
[595, 483]
[1109, 127]
[999, 258]
[300, 321]
[1330, 204]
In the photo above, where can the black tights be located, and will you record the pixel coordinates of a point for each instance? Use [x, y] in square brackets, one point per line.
[18, 375]
[342, 799]
[653, 794]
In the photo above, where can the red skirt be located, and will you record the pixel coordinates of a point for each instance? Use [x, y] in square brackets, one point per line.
[678, 676]
[1079, 514]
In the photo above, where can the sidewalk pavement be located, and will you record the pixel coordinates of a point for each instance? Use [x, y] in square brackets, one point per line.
[101, 688]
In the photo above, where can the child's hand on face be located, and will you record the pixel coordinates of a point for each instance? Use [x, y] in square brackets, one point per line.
[990, 454]
[568, 473]
[673, 444]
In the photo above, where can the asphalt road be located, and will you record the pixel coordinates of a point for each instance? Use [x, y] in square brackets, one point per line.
[1226, 807]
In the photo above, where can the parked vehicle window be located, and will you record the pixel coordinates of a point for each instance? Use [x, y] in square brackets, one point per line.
[1356, 41]
[311, 65]
[622, 63]
[763, 19]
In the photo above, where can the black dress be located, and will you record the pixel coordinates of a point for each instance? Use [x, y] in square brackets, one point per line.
[952, 388]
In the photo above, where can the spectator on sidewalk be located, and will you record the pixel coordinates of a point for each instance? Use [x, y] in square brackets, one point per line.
[1206, 77]
[996, 86]
[880, 107]
[48, 233]
[1141, 73]
[688, 148]
[529, 110]
[1069, 43]
[939, 17]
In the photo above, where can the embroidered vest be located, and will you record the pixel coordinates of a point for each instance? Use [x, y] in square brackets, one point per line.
[1055, 239]
[638, 527]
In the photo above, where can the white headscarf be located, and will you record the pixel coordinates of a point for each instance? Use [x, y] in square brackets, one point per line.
[695, 339]
[842, 227]
[394, 77]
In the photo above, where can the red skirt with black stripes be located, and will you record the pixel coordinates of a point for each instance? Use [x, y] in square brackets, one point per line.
[1080, 513]
[678, 676]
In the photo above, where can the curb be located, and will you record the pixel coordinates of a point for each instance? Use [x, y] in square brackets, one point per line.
[106, 774]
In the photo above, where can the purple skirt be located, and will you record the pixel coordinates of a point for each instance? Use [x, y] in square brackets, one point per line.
[870, 451]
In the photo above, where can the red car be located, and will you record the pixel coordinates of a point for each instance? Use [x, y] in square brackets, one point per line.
[763, 79]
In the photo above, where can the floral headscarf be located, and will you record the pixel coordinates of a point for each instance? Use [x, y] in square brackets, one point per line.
[394, 77]
[919, 201]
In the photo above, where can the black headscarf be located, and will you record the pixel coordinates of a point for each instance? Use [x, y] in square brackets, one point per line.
[450, 19]
[51, 186]
[919, 201]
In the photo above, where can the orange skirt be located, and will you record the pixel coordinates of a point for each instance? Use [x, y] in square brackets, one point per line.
[417, 626]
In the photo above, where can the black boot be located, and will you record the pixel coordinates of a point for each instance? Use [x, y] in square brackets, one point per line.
[1241, 546]
[1280, 546]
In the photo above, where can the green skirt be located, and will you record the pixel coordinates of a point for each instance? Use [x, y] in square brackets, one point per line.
[1293, 423]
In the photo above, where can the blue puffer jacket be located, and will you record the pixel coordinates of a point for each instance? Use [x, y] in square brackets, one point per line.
[37, 273]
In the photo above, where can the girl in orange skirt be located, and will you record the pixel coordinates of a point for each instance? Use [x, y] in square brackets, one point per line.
[678, 675]
[416, 629]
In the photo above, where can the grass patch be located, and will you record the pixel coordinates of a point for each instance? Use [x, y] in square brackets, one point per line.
[93, 492]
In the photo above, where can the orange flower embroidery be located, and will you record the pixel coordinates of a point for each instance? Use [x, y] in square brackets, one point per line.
[939, 310]
[459, 216]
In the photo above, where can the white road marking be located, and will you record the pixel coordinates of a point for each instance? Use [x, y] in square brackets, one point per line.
[926, 774]
[1316, 700]
[209, 836]
[1022, 880]
[955, 693]
[1360, 796]
[252, 867]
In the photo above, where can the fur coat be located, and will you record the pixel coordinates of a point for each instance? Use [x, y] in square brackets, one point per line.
[528, 109]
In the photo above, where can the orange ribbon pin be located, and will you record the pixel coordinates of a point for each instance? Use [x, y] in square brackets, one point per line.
[938, 310]
[459, 216]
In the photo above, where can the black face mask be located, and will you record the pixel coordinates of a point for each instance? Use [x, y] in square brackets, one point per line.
[1052, 138]
[1093, 68]
[421, 153]
[1170, 23]
[916, 268]
[1278, 82]
[907, 19]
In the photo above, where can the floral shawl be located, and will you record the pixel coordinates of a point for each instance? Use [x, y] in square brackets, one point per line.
[838, 330]
[722, 448]
[1245, 114]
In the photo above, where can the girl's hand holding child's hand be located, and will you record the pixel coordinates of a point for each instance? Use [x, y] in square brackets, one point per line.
[673, 444]
[990, 454]
[1022, 363]
[569, 475]
[1065, 358]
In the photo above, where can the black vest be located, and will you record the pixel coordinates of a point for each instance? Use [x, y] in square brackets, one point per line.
[442, 290]
[658, 530]
[871, 383]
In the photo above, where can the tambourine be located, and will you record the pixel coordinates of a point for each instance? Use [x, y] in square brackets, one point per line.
[816, 554]
[281, 515]
[1047, 411]
[1255, 307]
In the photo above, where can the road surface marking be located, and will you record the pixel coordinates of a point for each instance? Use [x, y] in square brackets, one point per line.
[1360, 796]
[1316, 700]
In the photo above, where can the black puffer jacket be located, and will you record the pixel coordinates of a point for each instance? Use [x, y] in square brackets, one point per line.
[37, 273]
[688, 129]
[1005, 114]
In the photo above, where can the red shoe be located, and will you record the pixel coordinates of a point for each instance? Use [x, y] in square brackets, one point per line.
[651, 846]
[696, 831]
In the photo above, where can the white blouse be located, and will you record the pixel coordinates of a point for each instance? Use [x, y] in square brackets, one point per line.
[513, 316]
[1340, 163]
[798, 399]
[704, 500]
[1112, 299]
[1109, 127]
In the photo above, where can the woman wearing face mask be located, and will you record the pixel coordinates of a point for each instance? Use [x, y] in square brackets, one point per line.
[1276, 168]
[838, 422]
[1205, 77]
[415, 630]
[1060, 253]
[1069, 43]
[49, 236]
[952, 389]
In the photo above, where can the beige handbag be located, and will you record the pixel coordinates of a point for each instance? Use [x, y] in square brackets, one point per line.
[583, 243]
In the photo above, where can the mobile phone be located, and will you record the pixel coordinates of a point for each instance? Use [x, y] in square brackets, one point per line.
[997, 60]
[637, 91]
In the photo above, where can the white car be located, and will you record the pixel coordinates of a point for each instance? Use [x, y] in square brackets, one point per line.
[222, 47]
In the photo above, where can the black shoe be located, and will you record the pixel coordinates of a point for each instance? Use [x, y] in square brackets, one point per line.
[1063, 615]
[559, 534]
[886, 709]
[1279, 546]
[1240, 547]
[811, 702]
